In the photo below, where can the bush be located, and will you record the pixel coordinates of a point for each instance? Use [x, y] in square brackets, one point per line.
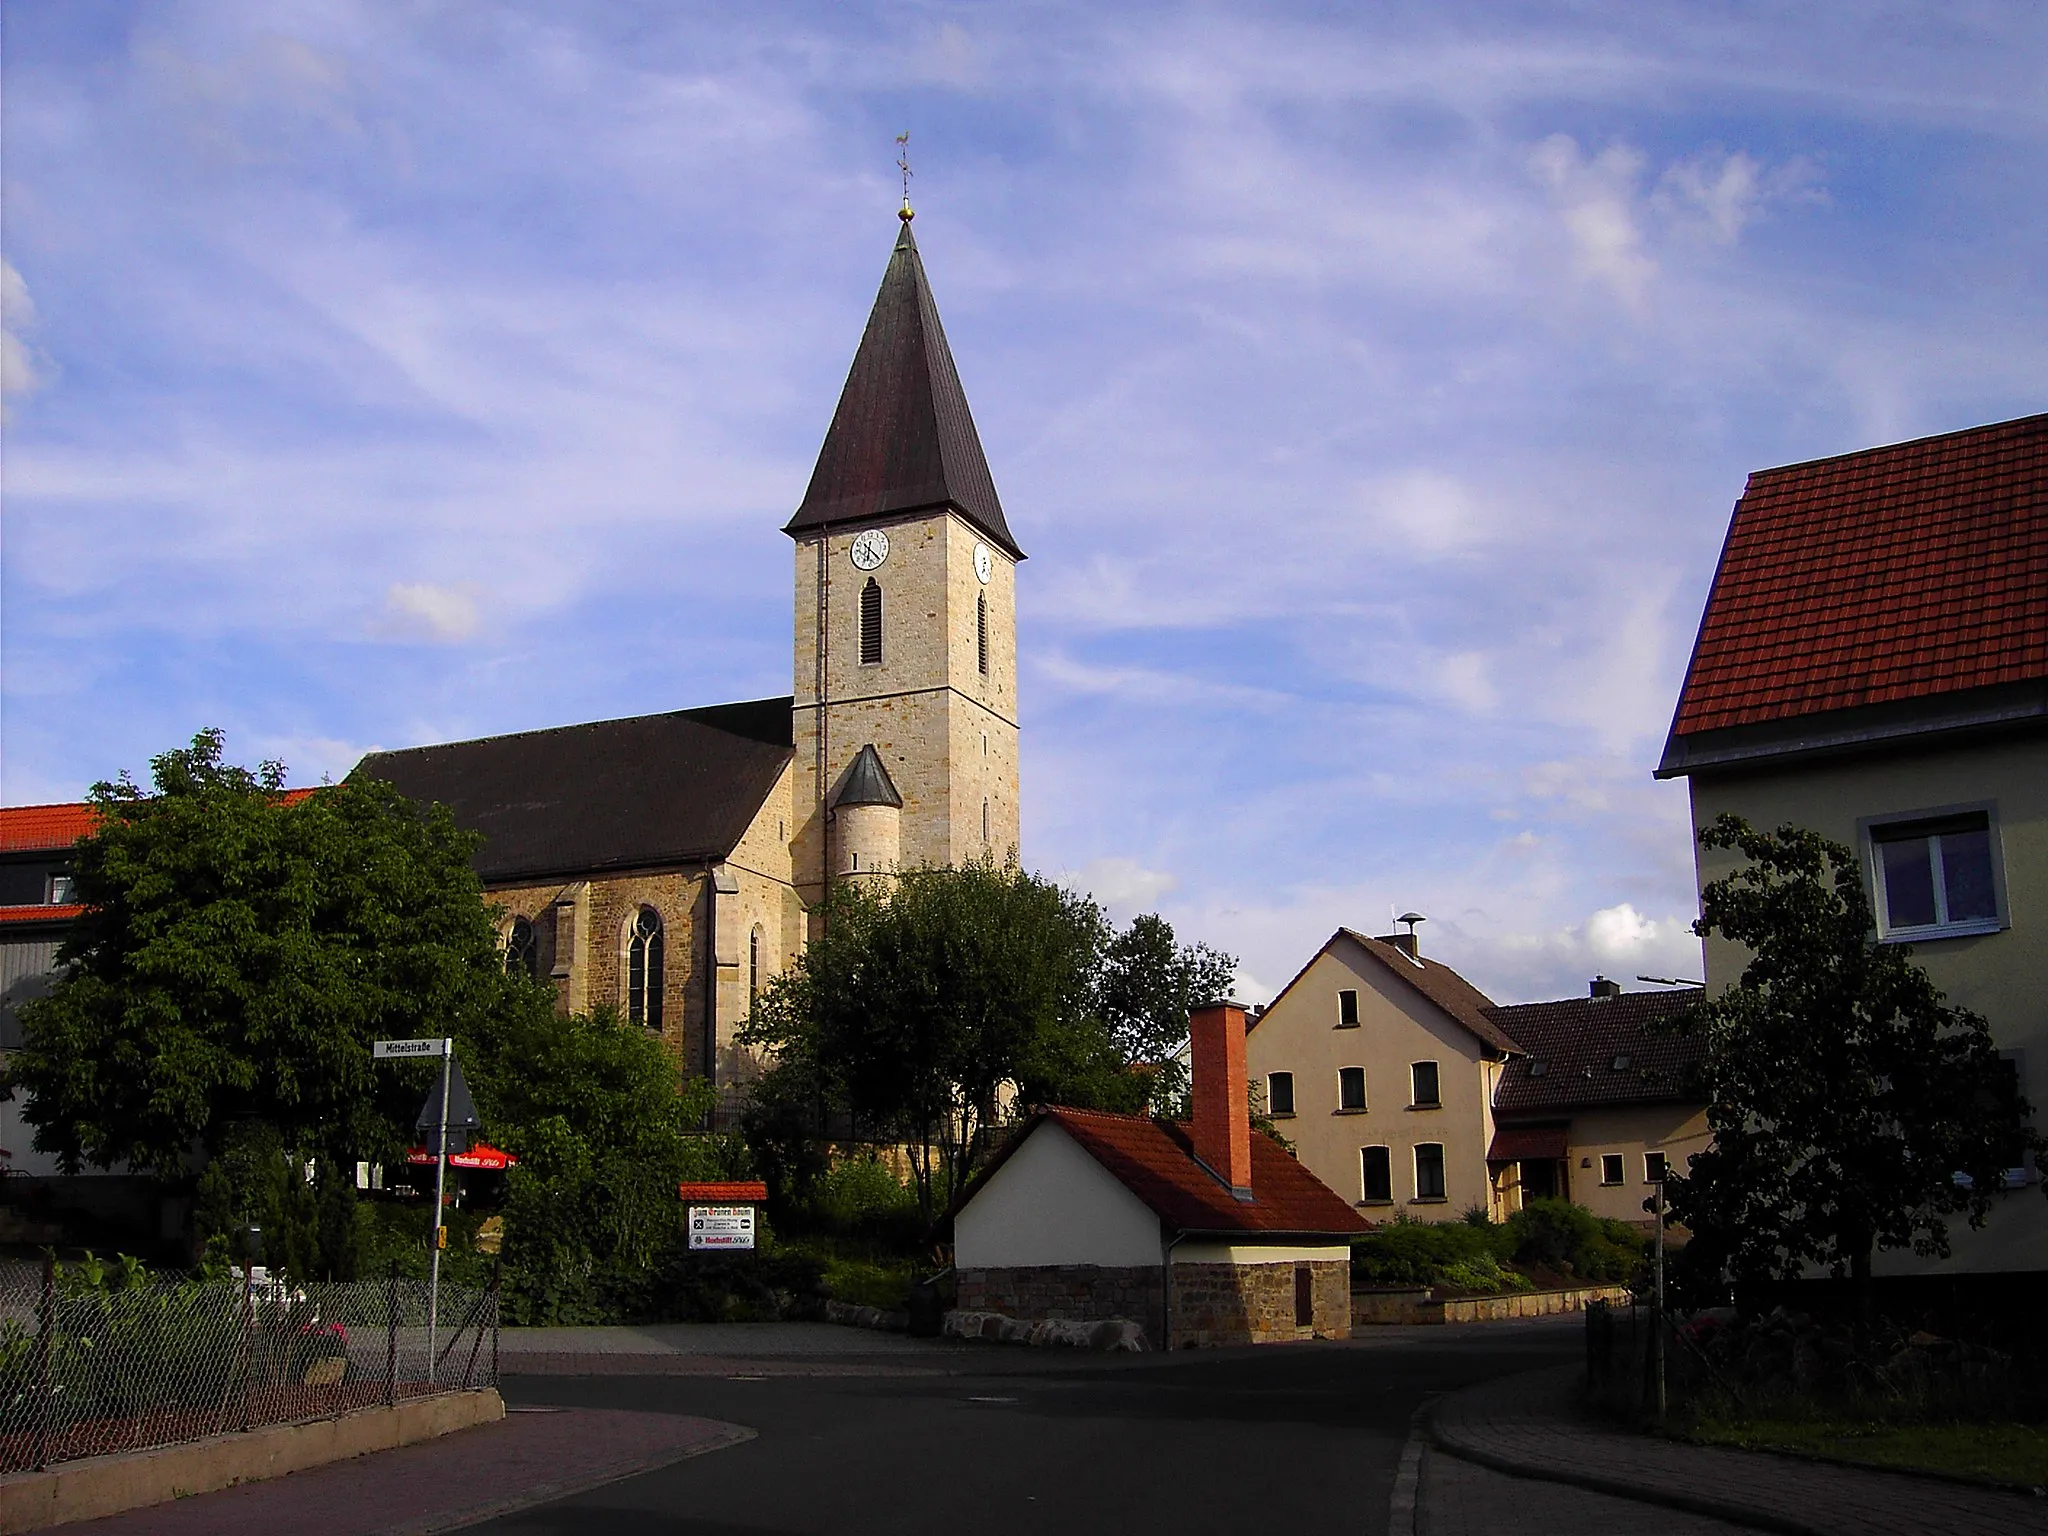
[1406, 1252]
[1572, 1242]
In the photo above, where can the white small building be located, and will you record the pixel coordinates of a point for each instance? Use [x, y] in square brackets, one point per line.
[1203, 1234]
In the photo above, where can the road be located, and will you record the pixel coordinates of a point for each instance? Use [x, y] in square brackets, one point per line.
[1301, 1437]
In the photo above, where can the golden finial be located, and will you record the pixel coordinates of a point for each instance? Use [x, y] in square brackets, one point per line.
[906, 213]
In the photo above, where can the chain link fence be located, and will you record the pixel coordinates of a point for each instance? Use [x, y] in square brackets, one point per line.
[87, 1369]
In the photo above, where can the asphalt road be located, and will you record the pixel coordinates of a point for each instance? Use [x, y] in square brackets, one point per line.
[1302, 1437]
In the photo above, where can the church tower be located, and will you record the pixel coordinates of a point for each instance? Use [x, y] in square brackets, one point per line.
[906, 603]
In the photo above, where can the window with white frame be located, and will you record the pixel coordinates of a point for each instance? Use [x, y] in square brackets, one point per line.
[1347, 1009]
[1936, 876]
[1655, 1166]
[1611, 1168]
[1429, 1171]
[1351, 1089]
[1376, 1173]
[63, 890]
[1279, 1093]
[1428, 1093]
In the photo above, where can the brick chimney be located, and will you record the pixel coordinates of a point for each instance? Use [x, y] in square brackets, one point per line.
[1223, 1127]
[1602, 987]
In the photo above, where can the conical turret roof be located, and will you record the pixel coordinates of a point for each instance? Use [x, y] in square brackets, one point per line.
[902, 439]
[867, 782]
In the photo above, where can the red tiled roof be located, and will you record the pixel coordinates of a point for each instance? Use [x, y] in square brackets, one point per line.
[53, 828]
[1577, 1042]
[1155, 1161]
[1895, 573]
[26, 827]
[40, 912]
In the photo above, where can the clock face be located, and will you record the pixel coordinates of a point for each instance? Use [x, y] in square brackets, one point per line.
[984, 563]
[870, 549]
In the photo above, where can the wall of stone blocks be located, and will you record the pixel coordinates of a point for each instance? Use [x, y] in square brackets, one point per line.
[1086, 1293]
[1217, 1304]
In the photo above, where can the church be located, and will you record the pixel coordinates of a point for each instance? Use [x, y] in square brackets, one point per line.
[669, 864]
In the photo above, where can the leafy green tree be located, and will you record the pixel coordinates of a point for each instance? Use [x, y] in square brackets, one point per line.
[1853, 1110]
[924, 1011]
[239, 951]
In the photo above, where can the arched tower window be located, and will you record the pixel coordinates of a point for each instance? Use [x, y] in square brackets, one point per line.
[981, 632]
[643, 969]
[522, 958]
[754, 964]
[871, 623]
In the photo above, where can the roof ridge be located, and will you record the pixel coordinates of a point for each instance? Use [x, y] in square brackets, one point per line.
[693, 712]
[1902, 443]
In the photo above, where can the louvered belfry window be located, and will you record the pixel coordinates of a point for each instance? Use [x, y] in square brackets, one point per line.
[981, 633]
[871, 623]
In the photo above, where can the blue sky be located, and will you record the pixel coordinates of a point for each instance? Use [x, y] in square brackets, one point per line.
[1369, 386]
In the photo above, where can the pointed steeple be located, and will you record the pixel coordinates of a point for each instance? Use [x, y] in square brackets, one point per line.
[867, 782]
[902, 439]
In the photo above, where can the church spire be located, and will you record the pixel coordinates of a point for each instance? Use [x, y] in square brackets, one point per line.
[902, 439]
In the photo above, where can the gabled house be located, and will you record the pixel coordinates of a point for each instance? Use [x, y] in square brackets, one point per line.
[1599, 1103]
[1380, 1065]
[1204, 1234]
[1872, 665]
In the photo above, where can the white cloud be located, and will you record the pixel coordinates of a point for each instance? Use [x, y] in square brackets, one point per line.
[1724, 193]
[423, 611]
[18, 372]
[1123, 885]
[1596, 200]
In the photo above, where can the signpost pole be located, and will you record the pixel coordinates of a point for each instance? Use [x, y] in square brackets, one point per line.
[435, 1235]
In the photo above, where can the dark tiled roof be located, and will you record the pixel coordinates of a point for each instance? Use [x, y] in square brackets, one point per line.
[1528, 1143]
[1892, 574]
[902, 439]
[1577, 1041]
[613, 794]
[867, 782]
[1155, 1160]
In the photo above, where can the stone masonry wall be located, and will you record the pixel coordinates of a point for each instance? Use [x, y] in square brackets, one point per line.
[1086, 1293]
[1215, 1304]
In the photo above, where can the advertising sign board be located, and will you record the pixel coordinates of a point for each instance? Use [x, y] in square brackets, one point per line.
[721, 1226]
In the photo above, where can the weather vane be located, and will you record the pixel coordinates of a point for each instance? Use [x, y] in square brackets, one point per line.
[903, 165]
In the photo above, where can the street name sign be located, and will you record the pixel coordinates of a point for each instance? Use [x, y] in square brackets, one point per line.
[386, 1050]
[721, 1226]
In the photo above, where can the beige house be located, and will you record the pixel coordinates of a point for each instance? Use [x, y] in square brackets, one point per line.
[1598, 1104]
[1380, 1066]
[1873, 665]
[668, 865]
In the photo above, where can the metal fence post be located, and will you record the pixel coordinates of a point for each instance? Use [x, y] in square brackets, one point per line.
[391, 1339]
[46, 1319]
[497, 1274]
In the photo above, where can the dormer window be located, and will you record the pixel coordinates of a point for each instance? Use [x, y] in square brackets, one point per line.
[62, 890]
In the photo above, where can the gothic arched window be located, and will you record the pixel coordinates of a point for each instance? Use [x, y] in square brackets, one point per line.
[643, 969]
[981, 632]
[754, 964]
[871, 623]
[522, 957]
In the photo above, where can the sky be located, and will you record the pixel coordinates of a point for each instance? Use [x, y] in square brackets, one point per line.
[1369, 387]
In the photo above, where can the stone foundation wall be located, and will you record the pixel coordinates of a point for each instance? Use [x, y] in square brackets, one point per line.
[1216, 1304]
[1084, 1293]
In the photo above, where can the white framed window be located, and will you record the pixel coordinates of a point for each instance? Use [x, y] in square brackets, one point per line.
[1936, 874]
[1429, 1171]
[1351, 1090]
[1279, 1093]
[1655, 1166]
[1428, 1091]
[63, 890]
[1347, 1009]
[1376, 1173]
[1612, 1169]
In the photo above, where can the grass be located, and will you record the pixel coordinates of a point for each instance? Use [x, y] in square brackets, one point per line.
[1997, 1451]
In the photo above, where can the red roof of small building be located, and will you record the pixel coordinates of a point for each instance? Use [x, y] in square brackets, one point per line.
[1155, 1160]
[1895, 573]
[40, 912]
[32, 827]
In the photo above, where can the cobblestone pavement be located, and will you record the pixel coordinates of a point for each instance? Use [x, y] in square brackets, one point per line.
[1528, 1424]
[1460, 1498]
[529, 1457]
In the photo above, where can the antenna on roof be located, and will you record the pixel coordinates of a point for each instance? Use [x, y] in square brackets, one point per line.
[1671, 981]
[906, 213]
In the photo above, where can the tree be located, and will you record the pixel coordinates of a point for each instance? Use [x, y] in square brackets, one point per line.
[922, 1012]
[239, 951]
[1853, 1110]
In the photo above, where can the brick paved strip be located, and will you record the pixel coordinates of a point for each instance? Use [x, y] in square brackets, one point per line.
[527, 1458]
[1529, 1425]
